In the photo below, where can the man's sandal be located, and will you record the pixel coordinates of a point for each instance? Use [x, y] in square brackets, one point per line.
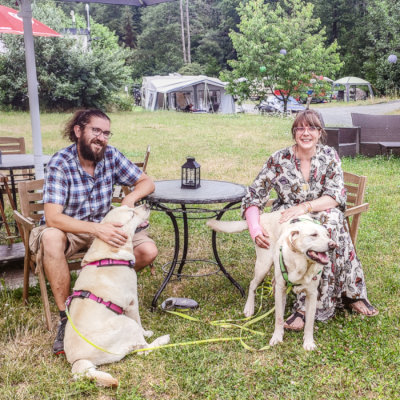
[349, 303]
[293, 318]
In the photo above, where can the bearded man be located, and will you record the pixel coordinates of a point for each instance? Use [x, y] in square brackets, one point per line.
[77, 195]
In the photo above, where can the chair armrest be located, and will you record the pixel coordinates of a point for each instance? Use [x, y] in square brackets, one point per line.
[356, 210]
[26, 223]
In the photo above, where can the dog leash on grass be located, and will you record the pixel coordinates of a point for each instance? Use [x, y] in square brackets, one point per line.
[231, 323]
[194, 342]
[221, 323]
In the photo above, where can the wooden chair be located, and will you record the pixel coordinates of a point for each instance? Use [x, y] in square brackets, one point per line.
[12, 145]
[31, 211]
[355, 186]
[10, 251]
[31, 206]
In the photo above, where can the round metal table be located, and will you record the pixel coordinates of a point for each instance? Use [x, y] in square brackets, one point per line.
[210, 192]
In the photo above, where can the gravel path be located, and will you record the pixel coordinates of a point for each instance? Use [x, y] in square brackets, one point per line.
[341, 116]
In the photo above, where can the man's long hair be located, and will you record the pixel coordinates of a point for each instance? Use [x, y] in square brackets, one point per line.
[81, 118]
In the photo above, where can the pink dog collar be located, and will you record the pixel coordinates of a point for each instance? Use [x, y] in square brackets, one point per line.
[106, 262]
[85, 294]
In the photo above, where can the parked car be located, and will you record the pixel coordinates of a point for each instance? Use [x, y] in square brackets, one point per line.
[275, 104]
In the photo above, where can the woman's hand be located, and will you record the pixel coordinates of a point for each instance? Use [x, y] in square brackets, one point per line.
[262, 240]
[292, 212]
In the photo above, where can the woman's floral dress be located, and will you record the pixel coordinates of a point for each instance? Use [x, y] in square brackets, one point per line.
[343, 275]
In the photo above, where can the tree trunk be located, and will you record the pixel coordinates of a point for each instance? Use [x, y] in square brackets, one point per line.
[183, 32]
[189, 57]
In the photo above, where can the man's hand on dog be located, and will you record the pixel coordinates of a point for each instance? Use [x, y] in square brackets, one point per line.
[112, 234]
[262, 240]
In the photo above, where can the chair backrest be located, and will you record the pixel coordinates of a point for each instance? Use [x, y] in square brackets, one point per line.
[143, 164]
[12, 145]
[121, 191]
[31, 199]
[355, 186]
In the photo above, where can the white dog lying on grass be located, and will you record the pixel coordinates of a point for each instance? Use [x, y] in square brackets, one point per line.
[112, 321]
[298, 249]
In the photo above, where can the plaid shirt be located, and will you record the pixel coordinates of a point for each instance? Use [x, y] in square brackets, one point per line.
[83, 196]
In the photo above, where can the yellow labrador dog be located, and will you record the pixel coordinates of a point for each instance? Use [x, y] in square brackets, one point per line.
[104, 304]
[298, 249]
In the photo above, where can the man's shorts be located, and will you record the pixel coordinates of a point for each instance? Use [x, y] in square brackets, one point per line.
[79, 241]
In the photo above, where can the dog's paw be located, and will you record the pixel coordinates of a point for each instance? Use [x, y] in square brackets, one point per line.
[276, 338]
[309, 345]
[162, 340]
[148, 333]
[248, 310]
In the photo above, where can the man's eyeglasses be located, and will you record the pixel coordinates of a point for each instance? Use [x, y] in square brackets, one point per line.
[97, 132]
[310, 129]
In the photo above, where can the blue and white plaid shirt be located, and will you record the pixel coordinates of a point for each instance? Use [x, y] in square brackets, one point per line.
[86, 197]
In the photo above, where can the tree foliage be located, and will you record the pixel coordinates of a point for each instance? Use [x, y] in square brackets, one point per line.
[279, 47]
[68, 74]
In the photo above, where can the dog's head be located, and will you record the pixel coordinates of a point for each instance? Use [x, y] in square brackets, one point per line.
[129, 217]
[312, 239]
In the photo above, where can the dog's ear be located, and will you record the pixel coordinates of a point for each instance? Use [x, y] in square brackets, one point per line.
[294, 235]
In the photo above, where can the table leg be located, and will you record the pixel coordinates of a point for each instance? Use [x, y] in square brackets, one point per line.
[215, 250]
[13, 188]
[185, 241]
[173, 263]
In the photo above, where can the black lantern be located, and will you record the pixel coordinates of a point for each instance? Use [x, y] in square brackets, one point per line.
[190, 174]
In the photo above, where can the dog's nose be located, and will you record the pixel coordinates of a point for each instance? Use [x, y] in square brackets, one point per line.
[332, 245]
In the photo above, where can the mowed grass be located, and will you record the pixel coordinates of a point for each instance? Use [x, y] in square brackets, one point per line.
[356, 357]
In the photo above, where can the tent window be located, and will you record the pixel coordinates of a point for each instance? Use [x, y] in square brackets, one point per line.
[209, 100]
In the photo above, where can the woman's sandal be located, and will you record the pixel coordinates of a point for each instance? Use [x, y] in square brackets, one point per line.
[349, 303]
[293, 318]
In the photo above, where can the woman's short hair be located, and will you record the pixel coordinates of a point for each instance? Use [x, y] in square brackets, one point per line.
[81, 118]
[309, 118]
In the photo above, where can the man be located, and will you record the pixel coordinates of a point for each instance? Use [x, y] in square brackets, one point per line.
[77, 195]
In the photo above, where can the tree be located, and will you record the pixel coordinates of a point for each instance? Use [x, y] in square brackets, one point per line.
[279, 47]
[183, 31]
[382, 38]
[159, 48]
[68, 75]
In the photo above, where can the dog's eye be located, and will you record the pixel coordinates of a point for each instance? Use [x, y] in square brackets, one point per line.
[314, 235]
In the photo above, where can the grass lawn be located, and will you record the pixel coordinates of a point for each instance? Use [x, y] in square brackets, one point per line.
[356, 357]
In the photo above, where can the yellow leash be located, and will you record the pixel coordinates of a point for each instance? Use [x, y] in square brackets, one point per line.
[228, 323]
[213, 340]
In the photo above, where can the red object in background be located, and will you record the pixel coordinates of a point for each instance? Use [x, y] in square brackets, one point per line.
[10, 22]
[278, 92]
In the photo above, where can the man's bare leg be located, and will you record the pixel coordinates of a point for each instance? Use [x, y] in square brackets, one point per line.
[145, 254]
[55, 265]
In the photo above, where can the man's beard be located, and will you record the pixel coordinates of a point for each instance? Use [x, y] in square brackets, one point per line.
[87, 153]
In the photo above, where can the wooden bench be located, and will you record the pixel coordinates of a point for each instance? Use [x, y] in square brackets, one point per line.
[379, 134]
[344, 139]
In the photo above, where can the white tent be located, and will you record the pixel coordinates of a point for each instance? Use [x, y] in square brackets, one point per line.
[352, 81]
[175, 92]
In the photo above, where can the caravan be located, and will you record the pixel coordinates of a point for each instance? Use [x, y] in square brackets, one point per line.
[194, 93]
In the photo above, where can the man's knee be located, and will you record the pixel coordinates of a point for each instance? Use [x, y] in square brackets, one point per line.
[145, 254]
[53, 242]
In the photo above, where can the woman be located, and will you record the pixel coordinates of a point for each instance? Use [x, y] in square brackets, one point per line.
[308, 178]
